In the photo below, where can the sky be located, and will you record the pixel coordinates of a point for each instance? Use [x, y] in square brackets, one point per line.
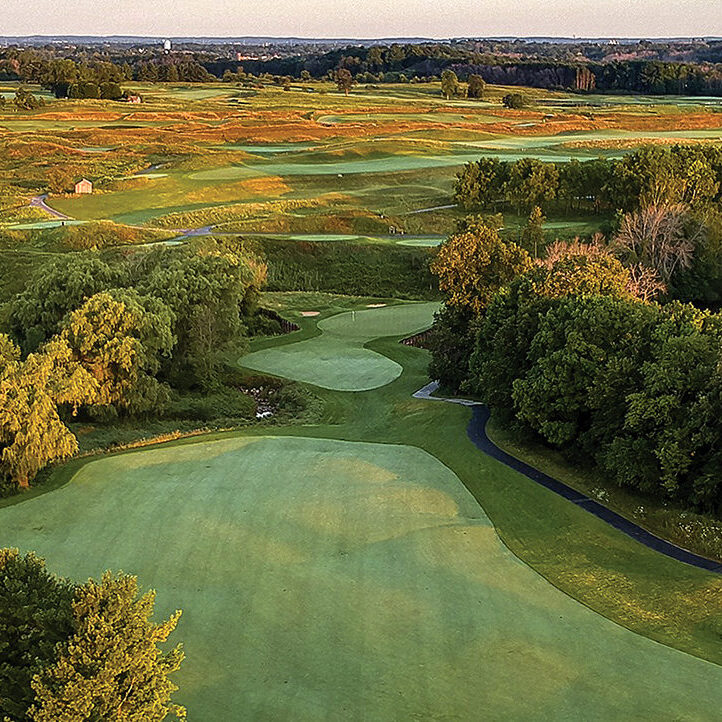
[363, 18]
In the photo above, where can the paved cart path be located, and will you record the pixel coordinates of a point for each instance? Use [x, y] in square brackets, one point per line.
[477, 434]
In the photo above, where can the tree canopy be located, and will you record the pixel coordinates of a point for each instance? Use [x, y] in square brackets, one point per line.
[79, 652]
[473, 265]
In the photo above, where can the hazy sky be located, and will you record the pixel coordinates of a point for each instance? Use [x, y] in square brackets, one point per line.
[362, 18]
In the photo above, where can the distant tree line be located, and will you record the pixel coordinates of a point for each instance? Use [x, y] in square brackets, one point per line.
[424, 61]
[535, 65]
[67, 78]
[690, 174]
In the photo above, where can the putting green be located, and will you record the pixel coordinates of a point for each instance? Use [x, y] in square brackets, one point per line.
[332, 580]
[337, 358]
[421, 242]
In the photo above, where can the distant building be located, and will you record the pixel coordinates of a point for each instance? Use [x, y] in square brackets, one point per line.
[83, 186]
[133, 99]
[167, 46]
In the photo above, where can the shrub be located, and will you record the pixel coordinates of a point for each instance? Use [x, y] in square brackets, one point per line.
[228, 403]
[514, 101]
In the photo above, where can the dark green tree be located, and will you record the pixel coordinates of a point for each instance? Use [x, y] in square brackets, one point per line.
[476, 87]
[35, 616]
[344, 80]
[515, 101]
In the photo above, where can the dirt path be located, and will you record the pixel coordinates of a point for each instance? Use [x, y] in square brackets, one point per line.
[428, 210]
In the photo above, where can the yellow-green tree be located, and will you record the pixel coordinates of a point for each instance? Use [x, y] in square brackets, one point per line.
[472, 266]
[119, 337]
[580, 269]
[9, 352]
[32, 434]
[111, 667]
[533, 234]
[449, 84]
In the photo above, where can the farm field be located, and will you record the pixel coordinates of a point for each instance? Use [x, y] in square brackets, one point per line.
[363, 539]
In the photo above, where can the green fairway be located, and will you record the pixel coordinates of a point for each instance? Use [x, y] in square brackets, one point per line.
[391, 164]
[337, 358]
[328, 579]
[525, 143]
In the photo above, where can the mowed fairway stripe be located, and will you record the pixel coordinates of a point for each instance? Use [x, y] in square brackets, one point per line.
[337, 358]
[335, 580]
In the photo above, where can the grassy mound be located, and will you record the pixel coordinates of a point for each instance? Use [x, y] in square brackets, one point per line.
[360, 268]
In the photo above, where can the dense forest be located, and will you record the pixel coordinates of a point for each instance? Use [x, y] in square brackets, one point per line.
[607, 350]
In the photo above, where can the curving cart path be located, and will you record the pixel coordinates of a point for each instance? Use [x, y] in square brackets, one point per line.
[40, 202]
[478, 436]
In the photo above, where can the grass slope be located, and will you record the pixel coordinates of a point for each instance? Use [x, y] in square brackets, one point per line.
[328, 579]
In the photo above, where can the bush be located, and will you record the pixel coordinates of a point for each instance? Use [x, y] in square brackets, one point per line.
[293, 399]
[514, 101]
[111, 91]
[264, 323]
[84, 90]
[229, 403]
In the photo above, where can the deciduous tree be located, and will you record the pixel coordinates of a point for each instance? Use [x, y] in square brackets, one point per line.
[659, 238]
[111, 667]
[35, 616]
[31, 432]
[476, 87]
[449, 84]
[344, 80]
[120, 337]
[473, 266]
[532, 236]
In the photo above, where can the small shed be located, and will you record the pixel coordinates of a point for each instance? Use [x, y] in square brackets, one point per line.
[83, 186]
[134, 99]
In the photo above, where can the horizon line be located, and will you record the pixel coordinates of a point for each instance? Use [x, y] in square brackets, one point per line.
[363, 39]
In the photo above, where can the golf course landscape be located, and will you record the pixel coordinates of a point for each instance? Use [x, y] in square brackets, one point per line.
[367, 548]
[217, 330]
